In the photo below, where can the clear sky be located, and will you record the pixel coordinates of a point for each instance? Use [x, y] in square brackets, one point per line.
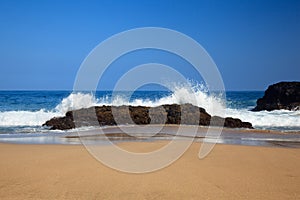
[254, 43]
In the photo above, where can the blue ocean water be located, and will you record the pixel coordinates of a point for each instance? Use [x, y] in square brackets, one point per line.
[23, 112]
[48, 100]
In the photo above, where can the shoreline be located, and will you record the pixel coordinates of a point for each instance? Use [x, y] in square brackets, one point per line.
[228, 172]
[167, 132]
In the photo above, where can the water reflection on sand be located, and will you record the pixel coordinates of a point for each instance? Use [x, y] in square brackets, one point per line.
[106, 135]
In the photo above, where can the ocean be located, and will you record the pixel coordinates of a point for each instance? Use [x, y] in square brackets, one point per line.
[22, 113]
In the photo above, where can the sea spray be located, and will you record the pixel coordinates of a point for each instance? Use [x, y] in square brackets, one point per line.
[76, 101]
[196, 95]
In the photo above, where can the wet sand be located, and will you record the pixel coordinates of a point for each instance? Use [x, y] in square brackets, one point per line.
[30, 171]
[151, 133]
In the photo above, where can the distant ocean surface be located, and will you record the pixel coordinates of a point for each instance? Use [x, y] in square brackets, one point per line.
[24, 112]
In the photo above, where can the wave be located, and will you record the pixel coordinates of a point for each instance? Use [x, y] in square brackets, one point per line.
[37, 118]
[196, 95]
[277, 119]
[76, 101]
[26, 118]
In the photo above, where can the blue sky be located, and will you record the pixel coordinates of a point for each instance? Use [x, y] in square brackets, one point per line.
[43, 43]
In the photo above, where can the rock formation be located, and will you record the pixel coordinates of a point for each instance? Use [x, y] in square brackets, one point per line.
[283, 95]
[165, 114]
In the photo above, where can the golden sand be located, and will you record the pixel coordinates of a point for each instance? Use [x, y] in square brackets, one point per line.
[228, 172]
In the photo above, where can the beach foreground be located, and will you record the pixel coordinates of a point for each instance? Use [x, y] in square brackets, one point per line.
[228, 172]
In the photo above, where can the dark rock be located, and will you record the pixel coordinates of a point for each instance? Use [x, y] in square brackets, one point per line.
[165, 114]
[236, 123]
[283, 95]
[229, 122]
[60, 123]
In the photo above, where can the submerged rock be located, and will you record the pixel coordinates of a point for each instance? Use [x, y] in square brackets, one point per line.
[283, 95]
[165, 114]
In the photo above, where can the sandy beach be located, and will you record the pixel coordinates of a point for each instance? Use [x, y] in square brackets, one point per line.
[228, 172]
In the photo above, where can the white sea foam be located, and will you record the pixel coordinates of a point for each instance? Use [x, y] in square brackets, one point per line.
[265, 119]
[182, 94]
[25, 118]
[76, 101]
[37, 118]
